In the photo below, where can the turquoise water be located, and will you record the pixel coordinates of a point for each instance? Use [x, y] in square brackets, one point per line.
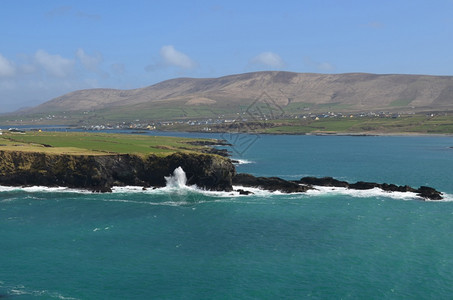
[188, 244]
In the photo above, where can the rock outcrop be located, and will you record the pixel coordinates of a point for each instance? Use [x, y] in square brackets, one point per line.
[269, 183]
[101, 172]
[423, 191]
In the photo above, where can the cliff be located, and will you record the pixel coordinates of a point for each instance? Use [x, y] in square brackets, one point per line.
[211, 172]
[101, 172]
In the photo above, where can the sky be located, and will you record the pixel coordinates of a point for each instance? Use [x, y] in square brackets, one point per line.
[49, 48]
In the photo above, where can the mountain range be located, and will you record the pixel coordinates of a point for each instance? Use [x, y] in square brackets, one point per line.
[293, 93]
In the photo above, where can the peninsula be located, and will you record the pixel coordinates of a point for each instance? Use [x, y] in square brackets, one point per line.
[99, 161]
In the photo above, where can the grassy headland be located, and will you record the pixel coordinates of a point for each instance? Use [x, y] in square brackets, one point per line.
[83, 143]
[99, 161]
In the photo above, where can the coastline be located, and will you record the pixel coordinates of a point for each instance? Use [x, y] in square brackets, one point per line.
[75, 128]
[208, 169]
[320, 133]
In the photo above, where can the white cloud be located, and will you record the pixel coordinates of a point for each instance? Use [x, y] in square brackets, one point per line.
[173, 57]
[7, 68]
[65, 11]
[88, 16]
[269, 59]
[59, 11]
[89, 62]
[325, 66]
[54, 64]
[319, 66]
[118, 68]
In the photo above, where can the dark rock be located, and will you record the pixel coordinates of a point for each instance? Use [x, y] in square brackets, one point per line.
[100, 172]
[324, 181]
[269, 183]
[210, 172]
[363, 185]
[243, 192]
[101, 189]
[210, 143]
[429, 193]
[221, 152]
[396, 188]
[209, 147]
[423, 191]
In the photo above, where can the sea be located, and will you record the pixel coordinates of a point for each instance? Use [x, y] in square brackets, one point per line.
[180, 242]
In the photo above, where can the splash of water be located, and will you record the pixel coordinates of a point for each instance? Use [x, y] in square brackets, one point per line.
[177, 180]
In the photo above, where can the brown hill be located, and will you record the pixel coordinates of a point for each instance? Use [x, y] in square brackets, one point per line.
[293, 92]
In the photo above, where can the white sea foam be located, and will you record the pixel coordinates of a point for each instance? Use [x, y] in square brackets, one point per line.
[178, 190]
[37, 189]
[375, 192]
[178, 179]
[446, 198]
[242, 161]
[23, 291]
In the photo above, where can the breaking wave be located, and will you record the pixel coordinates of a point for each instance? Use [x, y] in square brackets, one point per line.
[242, 161]
[22, 292]
[179, 192]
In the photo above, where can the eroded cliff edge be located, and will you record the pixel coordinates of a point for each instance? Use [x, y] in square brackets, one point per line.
[208, 171]
[101, 172]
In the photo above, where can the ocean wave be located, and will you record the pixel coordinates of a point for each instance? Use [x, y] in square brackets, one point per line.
[42, 189]
[446, 198]
[180, 193]
[21, 290]
[242, 161]
[371, 193]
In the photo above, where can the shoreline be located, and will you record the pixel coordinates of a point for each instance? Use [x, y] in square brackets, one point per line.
[315, 133]
[100, 173]
[238, 191]
[363, 133]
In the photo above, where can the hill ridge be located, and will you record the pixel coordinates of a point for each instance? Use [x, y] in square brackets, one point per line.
[339, 92]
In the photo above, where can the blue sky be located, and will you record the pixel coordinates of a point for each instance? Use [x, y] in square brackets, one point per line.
[49, 48]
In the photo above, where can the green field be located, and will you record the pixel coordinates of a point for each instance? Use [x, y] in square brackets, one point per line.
[82, 143]
[404, 124]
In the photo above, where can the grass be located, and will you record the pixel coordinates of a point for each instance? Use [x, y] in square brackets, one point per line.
[405, 124]
[301, 107]
[401, 102]
[421, 124]
[82, 143]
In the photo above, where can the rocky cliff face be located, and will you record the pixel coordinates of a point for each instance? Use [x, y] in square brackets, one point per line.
[207, 171]
[100, 173]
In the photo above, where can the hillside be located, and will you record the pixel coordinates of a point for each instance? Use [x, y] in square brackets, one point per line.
[292, 92]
